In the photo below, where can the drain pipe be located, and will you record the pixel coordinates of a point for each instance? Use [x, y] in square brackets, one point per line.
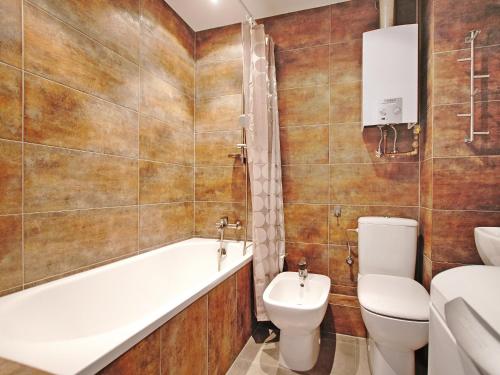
[386, 13]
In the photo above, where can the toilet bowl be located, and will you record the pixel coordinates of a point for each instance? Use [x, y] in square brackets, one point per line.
[297, 311]
[394, 307]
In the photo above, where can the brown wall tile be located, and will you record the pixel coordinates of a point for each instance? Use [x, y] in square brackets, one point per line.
[57, 179]
[222, 326]
[160, 141]
[13, 368]
[220, 113]
[306, 223]
[11, 269]
[10, 103]
[163, 183]
[438, 267]
[304, 106]
[352, 18]
[426, 183]
[207, 213]
[305, 183]
[466, 183]
[345, 102]
[244, 306]
[304, 67]
[164, 102]
[339, 271]
[219, 78]
[58, 52]
[10, 178]
[213, 148]
[115, 24]
[11, 32]
[344, 319]
[223, 184]
[223, 43]
[394, 184]
[59, 242]
[304, 145]
[315, 254]
[184, 348]
[345, 61]
[300, 29]
[164, 223]
[56, 115]
[427, 273]
[425, 227]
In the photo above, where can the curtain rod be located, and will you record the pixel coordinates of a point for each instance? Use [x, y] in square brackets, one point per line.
[246, 9]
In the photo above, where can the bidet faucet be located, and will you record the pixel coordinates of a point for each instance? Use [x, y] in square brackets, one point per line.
[302, 265]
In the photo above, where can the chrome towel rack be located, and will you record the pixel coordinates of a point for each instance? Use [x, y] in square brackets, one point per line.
[473, 91]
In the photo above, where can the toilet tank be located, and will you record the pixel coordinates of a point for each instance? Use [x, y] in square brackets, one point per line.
[387, 246]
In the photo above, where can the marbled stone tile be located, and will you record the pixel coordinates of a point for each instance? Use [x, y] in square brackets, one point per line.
[222, 43]
[352, 18]
[184, 349]
[455, 19]
[56, 115]
[426, 233]
[451, 77]
[307, 28]
[350, 144]
[466, 183]
[305, 183]
[207, 214]
[339, 271]
[316, 256]
[161, 20]
[304, 67]
[394, 184]
[113, 23]
[160, 141]
[222, 326]
[10, 103]
[219, 113]
[10, 178]
[343, 316]
[58, 179]
[426, 134]
[143, 358]
[164, 183]
[164, 102]
[453, 235]
[345, 102]
[11, 269]
[222, 184]
[304, 144]
[244, 306]
[304, 106]
[58, 52]
[344, 290]
[60, 242]
[11, 32]
[450, 130]
[13, 368]
[219, 78]
[427, 273]
[345, 61]
[438, 267]
[426, 183]
[351, 214]
[213, 148]
[164, 223]
[306, 223]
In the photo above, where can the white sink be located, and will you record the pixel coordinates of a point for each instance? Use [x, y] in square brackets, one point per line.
[488, 244]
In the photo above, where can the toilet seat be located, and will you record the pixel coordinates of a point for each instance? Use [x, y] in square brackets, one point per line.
[394, 296]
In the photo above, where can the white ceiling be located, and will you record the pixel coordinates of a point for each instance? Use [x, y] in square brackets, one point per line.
[207, 14]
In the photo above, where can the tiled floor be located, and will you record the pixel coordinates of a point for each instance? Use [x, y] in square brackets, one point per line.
[339, 355]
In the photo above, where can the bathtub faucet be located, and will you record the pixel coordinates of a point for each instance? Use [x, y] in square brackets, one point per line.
[302, 271]
[221, 225]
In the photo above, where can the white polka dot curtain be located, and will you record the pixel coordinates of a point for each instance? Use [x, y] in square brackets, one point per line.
[264, 159]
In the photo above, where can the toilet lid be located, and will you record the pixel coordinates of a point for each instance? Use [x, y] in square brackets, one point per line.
[394, 296]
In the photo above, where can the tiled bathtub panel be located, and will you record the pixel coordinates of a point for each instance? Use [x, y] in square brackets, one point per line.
[56, 115]
[10, 178]
[59, 52]
[59, 242]
[10, 103]
[11, 32]
[59, 179]
[11, 252]
[115, 23]
[244, 306]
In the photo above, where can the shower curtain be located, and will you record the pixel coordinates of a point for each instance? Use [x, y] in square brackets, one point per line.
[260, 104]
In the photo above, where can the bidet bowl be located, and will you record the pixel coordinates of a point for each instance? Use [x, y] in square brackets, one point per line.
[488, 244]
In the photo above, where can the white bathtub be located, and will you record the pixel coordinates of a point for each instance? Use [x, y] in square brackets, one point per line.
[81, 323]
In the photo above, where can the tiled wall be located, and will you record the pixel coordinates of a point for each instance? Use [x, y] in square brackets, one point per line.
[327, 161]
[460, 185]
[96, 134]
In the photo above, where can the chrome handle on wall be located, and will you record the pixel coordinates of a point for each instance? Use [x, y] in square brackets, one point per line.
[349, 260]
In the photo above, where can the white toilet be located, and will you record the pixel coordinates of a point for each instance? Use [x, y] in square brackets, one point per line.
[297, 311]
[394, 307]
